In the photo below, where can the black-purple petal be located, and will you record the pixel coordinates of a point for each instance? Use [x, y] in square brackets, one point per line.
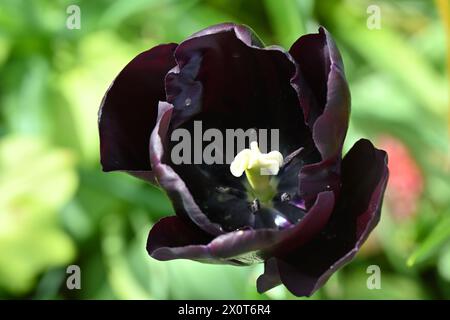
[169, 180]
[128, 111]
[226, 80]
[241, 246]
[364, 178]
[325, 99]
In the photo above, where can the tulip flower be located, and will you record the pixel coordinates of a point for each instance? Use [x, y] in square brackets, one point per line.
[302, 209]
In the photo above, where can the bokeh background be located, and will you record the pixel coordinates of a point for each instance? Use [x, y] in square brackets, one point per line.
[57, 208]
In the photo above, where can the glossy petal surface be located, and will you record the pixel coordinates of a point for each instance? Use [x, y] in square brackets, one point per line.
[128, 111]
[364, 177]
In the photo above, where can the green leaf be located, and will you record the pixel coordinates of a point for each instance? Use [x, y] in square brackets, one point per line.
[443, 264]
[287, 19]
[393, 287]
[35, 182]
[436, 239]
[383, 49]
[194, 280]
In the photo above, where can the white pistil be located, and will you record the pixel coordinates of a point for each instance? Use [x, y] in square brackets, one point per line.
[258, 168]
[251, 159]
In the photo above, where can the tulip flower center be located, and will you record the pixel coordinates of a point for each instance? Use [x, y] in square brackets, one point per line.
[258, 168]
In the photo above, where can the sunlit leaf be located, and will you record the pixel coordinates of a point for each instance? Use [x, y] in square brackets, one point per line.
[35, 182]
[435, 240]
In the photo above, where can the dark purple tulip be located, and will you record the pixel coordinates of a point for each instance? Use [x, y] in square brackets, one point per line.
[225, 77]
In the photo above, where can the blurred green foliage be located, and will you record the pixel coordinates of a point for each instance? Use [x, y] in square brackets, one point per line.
[57, 208]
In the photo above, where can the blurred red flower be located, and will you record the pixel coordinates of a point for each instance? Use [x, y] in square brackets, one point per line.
[405, 184]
